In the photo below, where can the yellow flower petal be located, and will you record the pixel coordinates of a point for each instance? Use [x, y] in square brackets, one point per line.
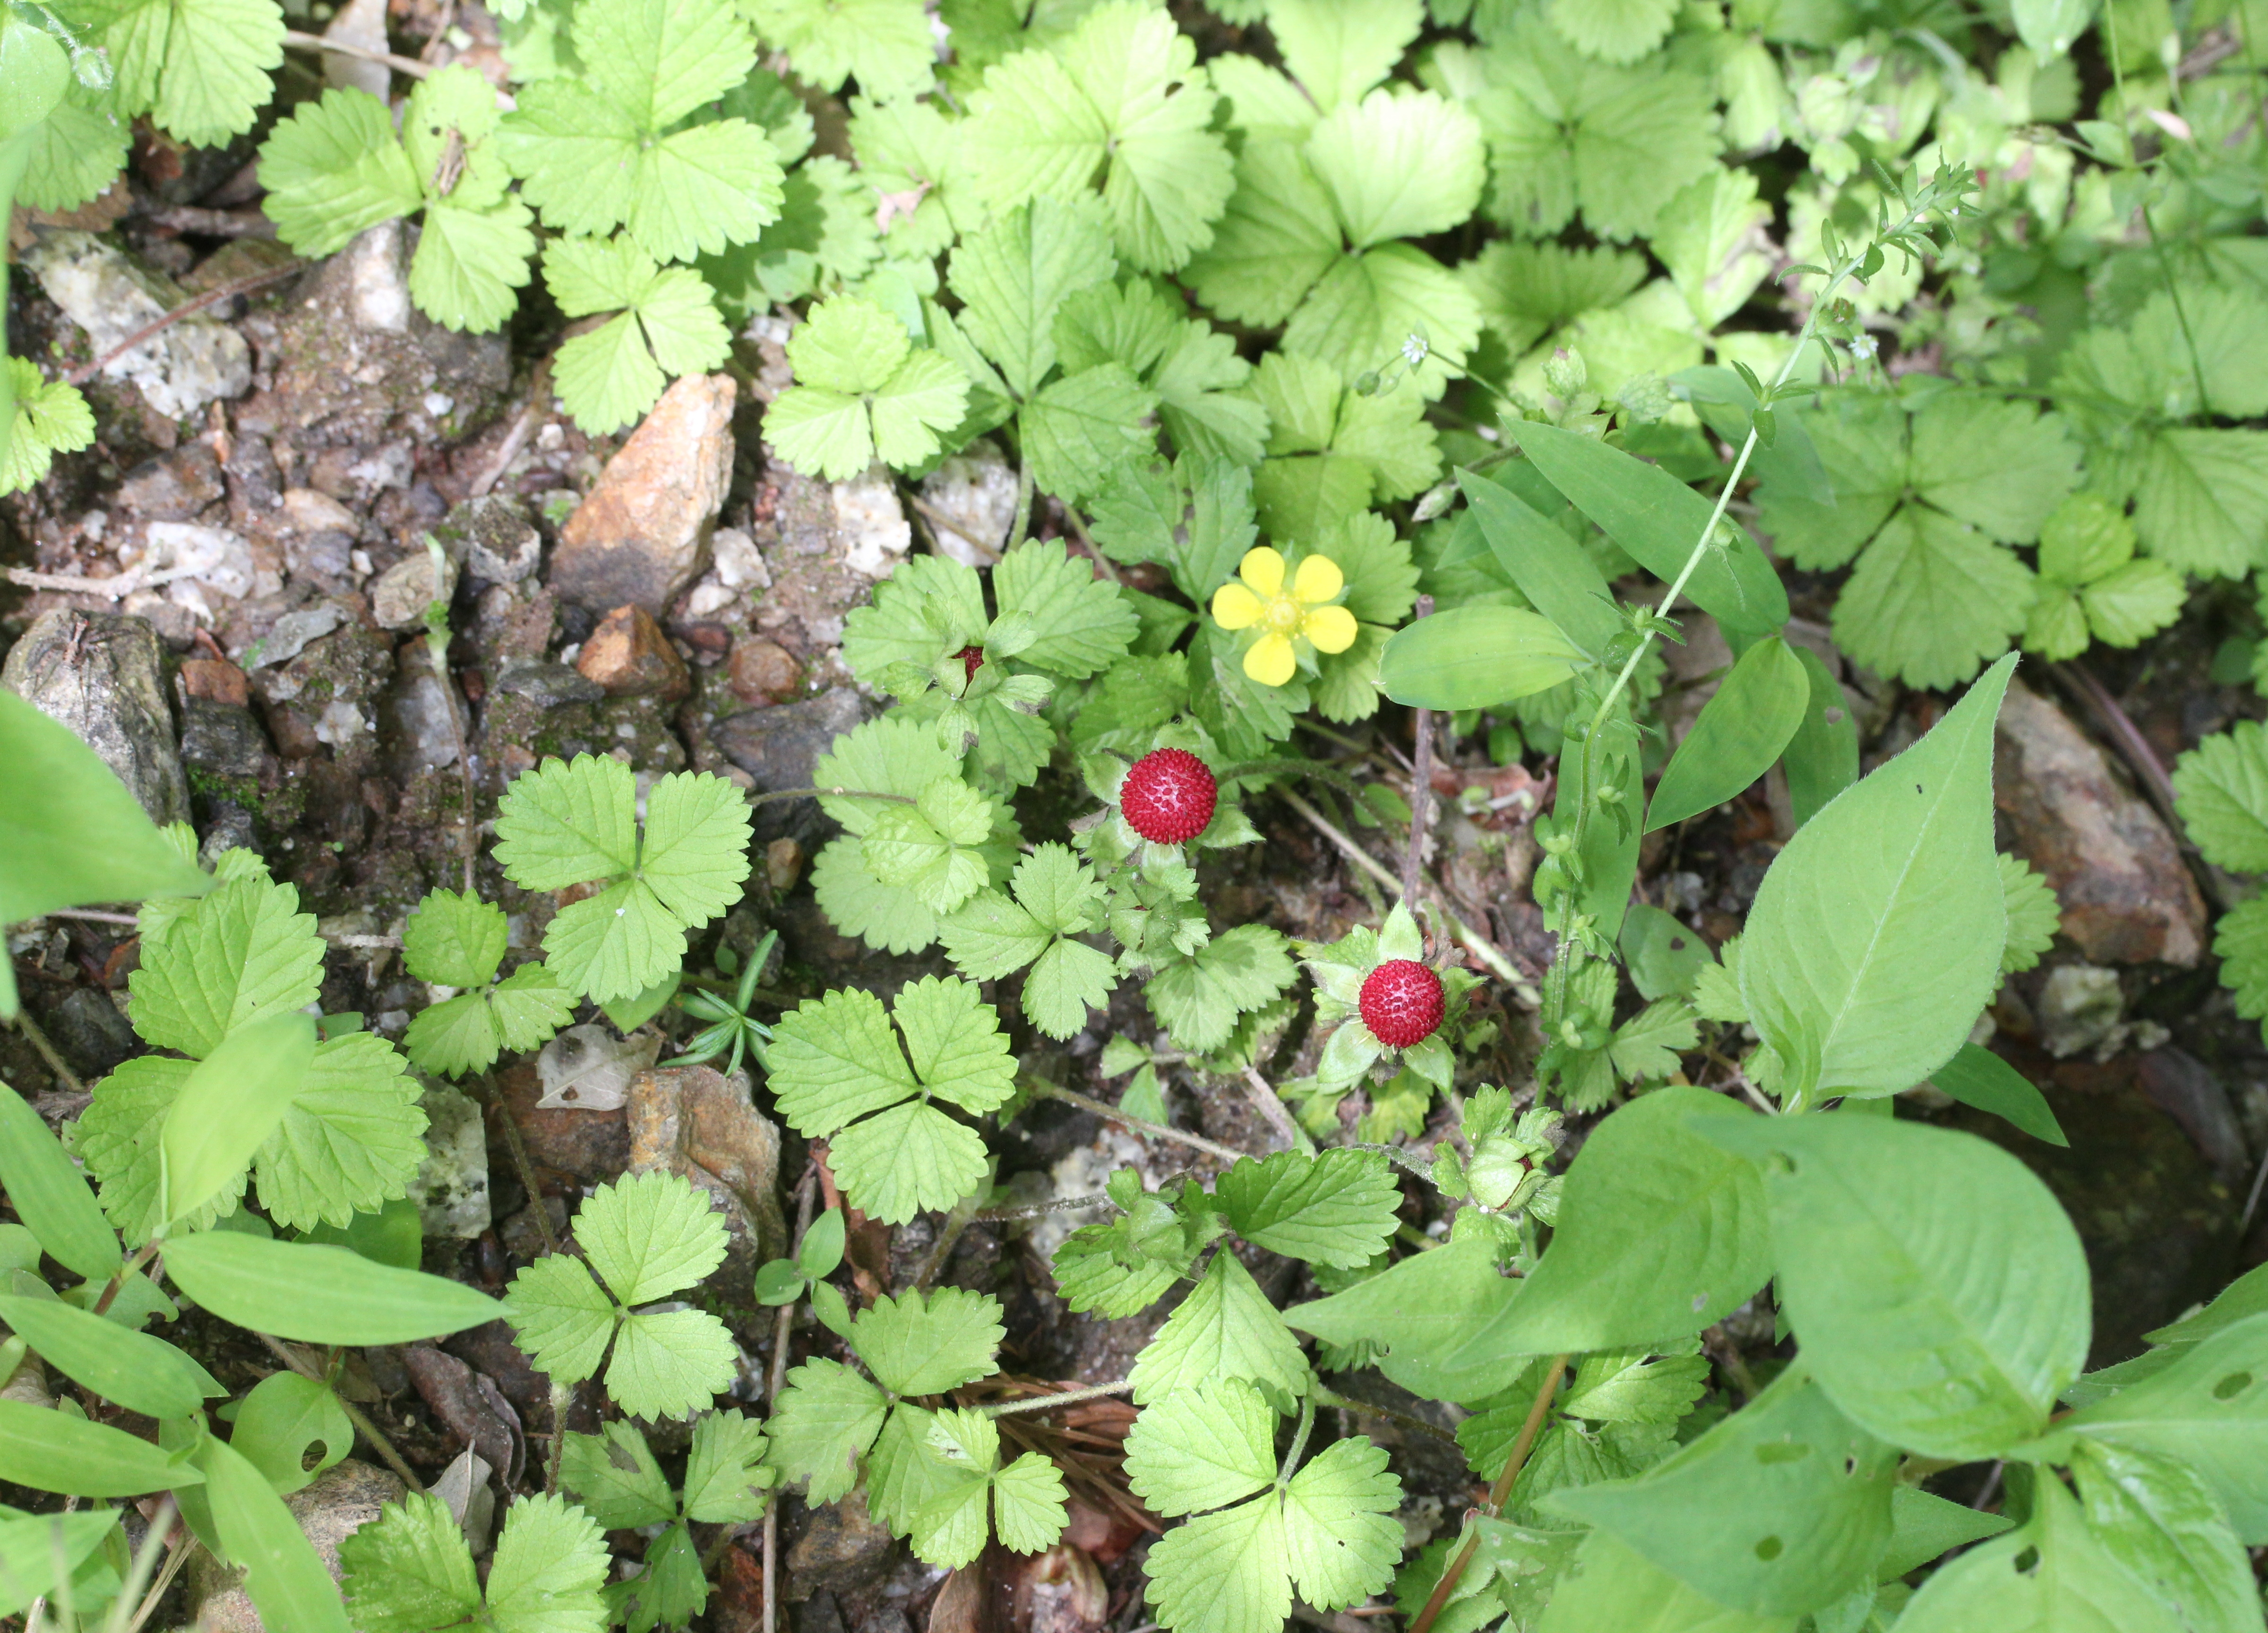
[1263, 570]
[1332, 628]
[1269, 660]
[1236, 607]
[1319, 579]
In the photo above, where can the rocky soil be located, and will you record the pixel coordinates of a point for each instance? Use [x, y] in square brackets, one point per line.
[226, 597]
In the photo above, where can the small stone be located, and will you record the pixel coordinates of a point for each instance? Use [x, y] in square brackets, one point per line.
[196, 563]
[697, 1122]
[627, 656]
[2078, 1010]
[975, 491]
[842, 1547]
[2127, 898]
[763, 671]
[416, 723]
[91, 1031]
[642, 535]
[192, 361]
[782, 865]
[99, 673]
[778, 747]
[546, 684]
[175, 486]
[499, 543]
[309, 510]
[875, 533]
[338, 1503]
[215, 680]
[221, 738]
[290, 636]
[451, 1188]
[399, 599]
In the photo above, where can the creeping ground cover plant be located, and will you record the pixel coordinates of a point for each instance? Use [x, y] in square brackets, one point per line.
[1469, 615]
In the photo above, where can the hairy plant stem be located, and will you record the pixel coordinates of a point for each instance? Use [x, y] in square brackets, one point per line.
[1421, 778]
[1307, 1427]
[1324, 1396]
[811, 793]
[521, 1165]
[1062, 1397]
[783, 1329]
[1499, 1494]
[30, 1028]
[142, 1255]
[179, 1555]
[1155, 1130]
[369, 1431]
[956, 1221]
[1269, 1105]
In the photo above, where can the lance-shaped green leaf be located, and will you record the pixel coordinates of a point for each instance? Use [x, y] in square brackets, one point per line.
[231, 1102]
[1821, 759]
[2159, 1519]
[1757, 711]
[141, 1373]
[1875, 939]
[318, 1294]
[1662, 1232]
[1977, 1077]
[1661, 521]
[1611, 1589]
[1476, 657]
[2208, 1407]
[49, 1193]
[1438, 1315]
[2053, 1576]
[1548, 568]
[50, 1450]
[37, 1551]
[1781, 1509]
[1939, 1291]
[289, 1587]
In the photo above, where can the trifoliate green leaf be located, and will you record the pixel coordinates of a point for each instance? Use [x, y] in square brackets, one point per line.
[836, 1072]
[574, 822]
[892, 755]
[333, 168]
[1057, 897]
[51, 418]
[915, 1344]
[1065, 620]
[2201, 499]
[1327, 442]
[650, 1235]
[1613, 31]
[1079, 429]
[1201, 1447]
[2000, 466]
[410, 1570]
[2034, 914]
[669, 1363]
[1222, 1572]
[468, 1032]
[1400, 163]
[907, 151]
[1526, 290]
[614, 1475]
[1225, 1328]
[352, 1139]
[1565, 133]
[470, 263]
[1336, 1209]
[76, 153]
[1339, 52]
[1093, 1276]
[885, 44]
[861, 387]
[561, 1317]
[1013, 277]
[1191, 366]
[825, 237]
[930, 847]
[1932, 602]
[827, 1418]
[1862, 442]
[454, 940]
[548, 1566]
[2132, 601]
[1646, 1047]
[198, 67]
[1119, 101]
[236, 955]
[1200, 998]
[597, 151]
[1262, 101]
[2220, 788]
[667, 324]
[2085, 538]
[723, 1470]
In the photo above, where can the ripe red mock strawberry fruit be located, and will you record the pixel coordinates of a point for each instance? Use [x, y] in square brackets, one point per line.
[1402, 1003]
[973, 657]
[1168, 795]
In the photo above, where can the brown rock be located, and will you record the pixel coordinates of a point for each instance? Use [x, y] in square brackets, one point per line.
[99, 675]
[783, 863]
[630, 656]
[764, 671]
[696, 1122]
[641, 536]
[589, 1146]
[2126, 897]
[842, 1547]
[215, 680]
[338, 1503]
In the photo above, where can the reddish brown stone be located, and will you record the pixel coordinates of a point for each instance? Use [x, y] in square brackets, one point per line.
[216, 679]
[591, 1147]
[641, 536]
[631, 656]
[764, 671]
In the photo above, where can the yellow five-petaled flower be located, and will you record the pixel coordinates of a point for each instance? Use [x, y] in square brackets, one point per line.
[1302, 610]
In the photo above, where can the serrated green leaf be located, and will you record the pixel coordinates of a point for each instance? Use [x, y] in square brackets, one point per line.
[1399, 164]
[198, 67]
[241, 953]
[614, 1475]
[2220, 788]
[1341, 1538]
[723, 1470]
[649, 1235]
[1240, 970]
[1336, 1208]
[550, 1563]
[670, 1363]
[1073, 623]
[1336, 51]
[351, 1140]
[825, 1420]
[885, 44]
[1225, 1328]
[561, 1317]
[334, 168]
[1013, 277]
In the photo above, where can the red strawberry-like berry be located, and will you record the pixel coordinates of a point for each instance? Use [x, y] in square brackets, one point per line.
[973, 657]
[1402, 1003]
[1168, 795]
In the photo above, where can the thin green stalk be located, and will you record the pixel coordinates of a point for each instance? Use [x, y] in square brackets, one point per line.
[1499, 1494]
[1298, 1439]
[1067, 1397]
[2149, 222]
[1023, 522]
